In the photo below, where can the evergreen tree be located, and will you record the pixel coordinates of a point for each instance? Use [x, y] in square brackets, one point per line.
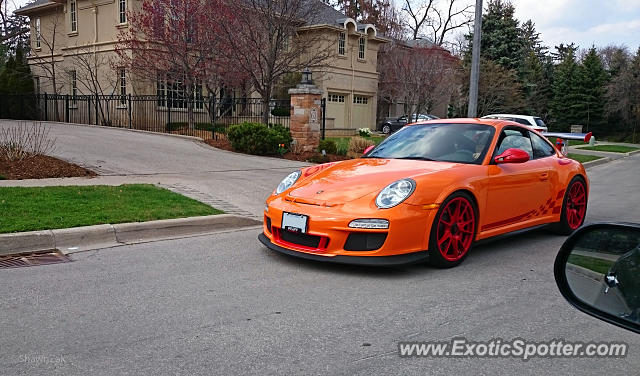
[592, 87]
[565, 105]
[501, 36]
[16, 82]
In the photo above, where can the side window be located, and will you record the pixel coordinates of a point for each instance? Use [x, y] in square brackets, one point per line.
[541, 148]
[522, 121]
[402, 119]
[512, 138]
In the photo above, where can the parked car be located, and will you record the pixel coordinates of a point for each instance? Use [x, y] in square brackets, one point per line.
[598, 271]
[429, 191]
[530, 121]
[392, 124]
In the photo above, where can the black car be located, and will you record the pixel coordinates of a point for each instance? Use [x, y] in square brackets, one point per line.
[392, 124]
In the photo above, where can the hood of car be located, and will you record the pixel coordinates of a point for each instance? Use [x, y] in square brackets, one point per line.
[350, 180]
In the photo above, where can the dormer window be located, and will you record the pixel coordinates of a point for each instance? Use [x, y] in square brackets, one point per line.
[342, 44]
[361, 48]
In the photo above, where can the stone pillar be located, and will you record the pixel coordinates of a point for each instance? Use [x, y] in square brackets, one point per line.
[306, 117]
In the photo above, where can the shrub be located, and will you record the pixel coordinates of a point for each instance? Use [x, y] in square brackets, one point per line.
[281, 111]
[259, 139]
[318, 158]
[329, 146]
[364, 132]
[23, 141]
[2, 177]
[357, 145]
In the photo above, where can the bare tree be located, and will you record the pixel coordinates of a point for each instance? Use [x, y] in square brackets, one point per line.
[420, 77]
[267, 40]
[44, 57]
[437, 20]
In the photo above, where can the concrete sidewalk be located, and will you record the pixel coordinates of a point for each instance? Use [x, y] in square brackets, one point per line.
[233, 182]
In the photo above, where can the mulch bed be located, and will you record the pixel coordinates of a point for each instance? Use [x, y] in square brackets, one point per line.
[41, 167]
[224, 144]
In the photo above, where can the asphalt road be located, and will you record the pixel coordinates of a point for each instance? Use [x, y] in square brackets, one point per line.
[223, 304]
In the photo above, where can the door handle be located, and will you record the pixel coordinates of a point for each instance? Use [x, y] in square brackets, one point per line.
[544, 176]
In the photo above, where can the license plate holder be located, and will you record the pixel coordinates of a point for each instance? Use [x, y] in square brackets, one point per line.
[295, 222]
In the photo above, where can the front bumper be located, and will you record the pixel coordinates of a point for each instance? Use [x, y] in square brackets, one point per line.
[330, 237]
[403, 259]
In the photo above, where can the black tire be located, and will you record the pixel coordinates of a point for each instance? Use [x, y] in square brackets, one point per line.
[436, 258]
[386, 128]
[563, 227]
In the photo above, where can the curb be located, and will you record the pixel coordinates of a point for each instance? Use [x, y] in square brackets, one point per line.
[597, 162]
[84, 238]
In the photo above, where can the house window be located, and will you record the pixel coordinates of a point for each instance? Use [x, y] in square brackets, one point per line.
[38, 35]
[122, 10]
[73, 16]
[361, 48]
[342, 44]
[122, 81]
[359, 99]
[339, 98]
[173, 94]
[74, 87]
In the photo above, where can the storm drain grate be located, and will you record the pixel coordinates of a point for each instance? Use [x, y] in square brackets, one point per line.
[33, 259]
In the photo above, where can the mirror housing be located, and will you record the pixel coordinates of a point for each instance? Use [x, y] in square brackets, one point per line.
[368, 149]
[512, 155]
[598, 271]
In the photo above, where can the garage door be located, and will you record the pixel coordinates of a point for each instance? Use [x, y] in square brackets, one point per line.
[362, 112]
[336, 109]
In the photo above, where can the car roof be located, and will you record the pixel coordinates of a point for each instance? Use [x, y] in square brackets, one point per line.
[497, 123]
[511, 115]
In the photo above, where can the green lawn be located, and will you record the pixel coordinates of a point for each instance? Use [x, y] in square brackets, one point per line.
[343, 142]
[40, 208]
[592, 263]
[582, 158]
[610, 148]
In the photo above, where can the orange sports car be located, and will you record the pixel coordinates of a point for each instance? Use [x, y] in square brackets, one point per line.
[429, 191]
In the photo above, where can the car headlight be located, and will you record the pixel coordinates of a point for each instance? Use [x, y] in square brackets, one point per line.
[287, 182]
[395, 193]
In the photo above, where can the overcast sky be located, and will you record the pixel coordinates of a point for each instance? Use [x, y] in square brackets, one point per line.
[585, 22]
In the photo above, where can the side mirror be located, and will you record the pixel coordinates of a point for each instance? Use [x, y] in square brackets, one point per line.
[368, 149]
[598, 271]
[512, 155]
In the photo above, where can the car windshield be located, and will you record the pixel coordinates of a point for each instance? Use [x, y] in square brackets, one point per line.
[445, 142]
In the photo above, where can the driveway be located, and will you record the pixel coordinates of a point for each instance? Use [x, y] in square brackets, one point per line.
[236, 183]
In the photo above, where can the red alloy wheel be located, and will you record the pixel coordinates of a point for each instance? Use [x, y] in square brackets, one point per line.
[456, 227]
[576, 205]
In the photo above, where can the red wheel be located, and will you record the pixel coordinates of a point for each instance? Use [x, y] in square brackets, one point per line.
[574, 207]
[453, 231]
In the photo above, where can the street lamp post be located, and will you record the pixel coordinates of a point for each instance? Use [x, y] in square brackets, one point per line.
[472, 110]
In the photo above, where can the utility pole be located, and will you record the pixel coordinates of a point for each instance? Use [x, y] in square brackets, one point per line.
[472, 110]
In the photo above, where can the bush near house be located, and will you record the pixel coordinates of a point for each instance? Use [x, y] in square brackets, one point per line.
[259, 139]
[281, 111]
[329, 146]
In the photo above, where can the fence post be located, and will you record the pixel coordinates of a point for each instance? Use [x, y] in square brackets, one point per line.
[97, 112]
[66, 108]
[88, 108]
[323, 105]
[46, 113]
[212, 108]
[129, 107]
[168, 117]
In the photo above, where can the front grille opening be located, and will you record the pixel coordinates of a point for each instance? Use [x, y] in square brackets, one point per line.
[33, 259]
[365, 241]
[306, 240]
[267, 221]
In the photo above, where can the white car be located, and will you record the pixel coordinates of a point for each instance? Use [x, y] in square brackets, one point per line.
[530, 121]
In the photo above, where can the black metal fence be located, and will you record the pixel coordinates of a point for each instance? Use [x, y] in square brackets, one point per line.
[201, 116]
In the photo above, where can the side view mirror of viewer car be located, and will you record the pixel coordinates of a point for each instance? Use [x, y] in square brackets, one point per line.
[512, 155]
[598, 271]
[368, 149]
